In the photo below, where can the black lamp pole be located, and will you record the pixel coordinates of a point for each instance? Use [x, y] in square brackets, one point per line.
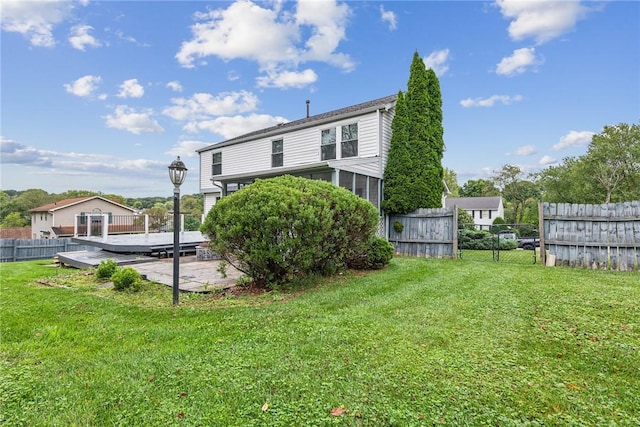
[177, 173]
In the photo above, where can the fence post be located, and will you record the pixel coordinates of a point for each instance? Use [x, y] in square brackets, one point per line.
[75, 225]
[182, 222]
[543, 251]
[146, 224]
[15, 250]
[455, 233]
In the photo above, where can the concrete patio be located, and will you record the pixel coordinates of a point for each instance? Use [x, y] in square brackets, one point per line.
[195, 276]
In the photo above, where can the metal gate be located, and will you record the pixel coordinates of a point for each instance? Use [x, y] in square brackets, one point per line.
[507, 243]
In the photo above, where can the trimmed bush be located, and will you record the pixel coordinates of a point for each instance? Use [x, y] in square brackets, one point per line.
[126, 278]
[484, 240]
[106, 268]
[281, 229]
[375, 255]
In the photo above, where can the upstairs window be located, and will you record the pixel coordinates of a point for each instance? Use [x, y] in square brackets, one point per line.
[276, 153]
[216, 167]
[350, 140]
[328, 144]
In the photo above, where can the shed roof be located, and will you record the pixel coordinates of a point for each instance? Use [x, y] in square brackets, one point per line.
[385, 102]
[474, 203]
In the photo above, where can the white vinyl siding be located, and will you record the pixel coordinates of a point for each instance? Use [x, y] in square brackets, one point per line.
[385, 134]
[300, 147]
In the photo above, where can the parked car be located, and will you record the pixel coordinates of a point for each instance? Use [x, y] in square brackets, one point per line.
[529, 243]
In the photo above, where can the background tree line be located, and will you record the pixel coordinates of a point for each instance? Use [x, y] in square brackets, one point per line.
[15, 205]
[608, 172]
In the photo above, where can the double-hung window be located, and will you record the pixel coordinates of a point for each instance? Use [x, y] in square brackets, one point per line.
[216, 167]
[349, 140]
[328, 144]
[276, 153]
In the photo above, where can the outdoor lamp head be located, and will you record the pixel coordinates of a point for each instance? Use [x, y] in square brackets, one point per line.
[177, 172]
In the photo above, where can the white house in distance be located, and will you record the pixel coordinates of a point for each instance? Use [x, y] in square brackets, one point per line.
[58, 219]
[484, 210]
[347, 147]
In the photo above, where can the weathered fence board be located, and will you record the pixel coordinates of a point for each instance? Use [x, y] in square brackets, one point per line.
[605, 236]
[31, 249]
[429, 233]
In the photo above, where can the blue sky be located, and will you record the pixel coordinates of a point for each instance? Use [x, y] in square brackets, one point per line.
[103, 95]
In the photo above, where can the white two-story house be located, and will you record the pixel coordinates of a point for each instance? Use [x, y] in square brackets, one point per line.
[347, 147]
[483, 210]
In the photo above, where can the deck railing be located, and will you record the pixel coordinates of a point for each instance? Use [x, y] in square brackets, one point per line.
[102, 225]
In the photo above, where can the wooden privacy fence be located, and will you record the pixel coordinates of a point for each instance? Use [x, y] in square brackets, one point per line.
[603, 236]
[430, 233]
[28, 249]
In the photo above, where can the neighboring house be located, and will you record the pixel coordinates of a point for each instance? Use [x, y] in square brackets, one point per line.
[58, 219]
[347, 147]
[484, 210]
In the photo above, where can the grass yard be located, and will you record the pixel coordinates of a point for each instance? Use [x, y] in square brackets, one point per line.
[423, 342]
[517, 256]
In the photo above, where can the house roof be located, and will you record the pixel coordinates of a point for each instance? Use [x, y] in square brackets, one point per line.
[474, 203]
[62, 204]
[387, 102]
[15, 233]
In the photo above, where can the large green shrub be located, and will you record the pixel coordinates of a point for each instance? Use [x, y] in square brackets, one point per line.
[106, 268]
[375, 254]
[484, 240]
[126, 278]
[281, 229]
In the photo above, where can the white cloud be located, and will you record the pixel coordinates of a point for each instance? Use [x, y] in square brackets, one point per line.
[204, 105]
[85, 86]
[273, 38]
[14, 152]
[35, 20]
[541, 20]
[175, 86]
[525, 150]
[187, 148]
[328, 22]
[131, 89]
[287, 79]
[437, 61]
[80, 37]
[230, 127]
[518, 62]
[243, 30]
[125, 118]
[546, 160]
[389, 17]
[574, 139]
[489, 102]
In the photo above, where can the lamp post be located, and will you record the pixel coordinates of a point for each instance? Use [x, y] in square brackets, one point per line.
[177, 173]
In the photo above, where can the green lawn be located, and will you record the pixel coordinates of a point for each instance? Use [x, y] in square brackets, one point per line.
[423, 342]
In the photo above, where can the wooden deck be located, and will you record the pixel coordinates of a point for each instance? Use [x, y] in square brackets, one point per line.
[88, 259]
[159, 244]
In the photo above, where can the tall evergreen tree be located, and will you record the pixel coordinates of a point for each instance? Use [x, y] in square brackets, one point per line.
[413, 176]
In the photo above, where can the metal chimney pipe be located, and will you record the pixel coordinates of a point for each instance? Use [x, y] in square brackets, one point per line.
[308, 102]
